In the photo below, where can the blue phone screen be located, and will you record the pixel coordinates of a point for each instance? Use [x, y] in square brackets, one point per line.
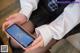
[19, 35]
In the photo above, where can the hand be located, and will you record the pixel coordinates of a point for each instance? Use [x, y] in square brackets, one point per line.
[38, 42]
[37, 46]
[39, 50]
[17, 18]
[27, 27]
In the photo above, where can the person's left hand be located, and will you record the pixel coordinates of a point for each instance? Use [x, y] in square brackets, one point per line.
[38, 42]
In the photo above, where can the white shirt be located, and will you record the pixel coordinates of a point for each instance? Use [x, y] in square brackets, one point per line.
[58, 28]
[27, 6]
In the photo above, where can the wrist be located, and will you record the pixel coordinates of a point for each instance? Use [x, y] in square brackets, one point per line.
[23, 15]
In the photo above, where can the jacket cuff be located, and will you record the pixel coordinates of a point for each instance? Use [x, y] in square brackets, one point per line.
[27, 11]
[45, 32]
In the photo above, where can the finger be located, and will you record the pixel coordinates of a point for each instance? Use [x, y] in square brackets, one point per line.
[40, 44]
[36, 41]
[5, 25]
[10, 17]
[6, 34]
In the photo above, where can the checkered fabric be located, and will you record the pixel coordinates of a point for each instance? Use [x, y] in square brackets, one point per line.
[52, 4]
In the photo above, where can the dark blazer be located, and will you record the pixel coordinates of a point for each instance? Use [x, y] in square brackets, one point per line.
[43, 15]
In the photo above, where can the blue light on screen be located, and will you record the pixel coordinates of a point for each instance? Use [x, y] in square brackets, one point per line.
[22, 37]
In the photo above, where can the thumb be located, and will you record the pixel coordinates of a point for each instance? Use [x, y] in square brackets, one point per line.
[37, 41]
[6, 25]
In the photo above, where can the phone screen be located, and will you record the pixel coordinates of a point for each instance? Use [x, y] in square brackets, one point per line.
[20, 35]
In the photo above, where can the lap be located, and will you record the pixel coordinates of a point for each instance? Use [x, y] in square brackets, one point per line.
[69, 45]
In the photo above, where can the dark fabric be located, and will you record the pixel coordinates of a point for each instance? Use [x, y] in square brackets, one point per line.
[1, 43]
[15, 50]
[46, 2]
[43, 15]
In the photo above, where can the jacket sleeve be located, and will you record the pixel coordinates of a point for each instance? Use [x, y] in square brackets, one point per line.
[62, 25]
[27, 6]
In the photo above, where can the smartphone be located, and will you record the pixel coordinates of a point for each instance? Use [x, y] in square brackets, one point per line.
[20, 35]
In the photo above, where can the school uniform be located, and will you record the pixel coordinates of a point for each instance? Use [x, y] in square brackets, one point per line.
[56, 29]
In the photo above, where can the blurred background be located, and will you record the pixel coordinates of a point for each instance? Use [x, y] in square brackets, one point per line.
[8, 7]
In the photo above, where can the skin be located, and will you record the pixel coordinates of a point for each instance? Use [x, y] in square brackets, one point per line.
[40, 49]
[22, 21]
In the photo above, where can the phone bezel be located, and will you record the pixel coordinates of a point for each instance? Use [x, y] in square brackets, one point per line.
[23, 31]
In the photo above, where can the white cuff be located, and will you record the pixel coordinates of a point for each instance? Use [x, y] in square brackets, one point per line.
[45, 33]
[27, 11]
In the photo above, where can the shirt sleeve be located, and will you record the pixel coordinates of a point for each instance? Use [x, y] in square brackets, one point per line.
[62, 25]
[27, 6]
